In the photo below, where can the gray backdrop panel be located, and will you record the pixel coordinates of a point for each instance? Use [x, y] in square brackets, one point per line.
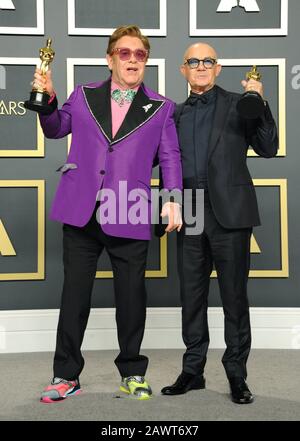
[268, 17]
[104, 14]
[24, 15]
[18, 129]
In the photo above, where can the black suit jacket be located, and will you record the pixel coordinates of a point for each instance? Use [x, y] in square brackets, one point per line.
[231, 190]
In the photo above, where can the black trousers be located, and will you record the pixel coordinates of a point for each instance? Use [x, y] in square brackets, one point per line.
[81, 250]
[229, 250]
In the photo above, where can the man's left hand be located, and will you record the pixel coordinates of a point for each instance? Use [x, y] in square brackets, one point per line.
[253, 85]
[172, 210]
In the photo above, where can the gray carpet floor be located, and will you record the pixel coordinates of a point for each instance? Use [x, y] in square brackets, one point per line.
[273, 377]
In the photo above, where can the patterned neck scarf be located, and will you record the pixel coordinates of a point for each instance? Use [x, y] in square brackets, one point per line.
[123, 96]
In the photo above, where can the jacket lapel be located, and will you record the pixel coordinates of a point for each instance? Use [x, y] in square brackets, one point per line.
[221, 112]
[178, 113]
[98, 102]
[141, 110]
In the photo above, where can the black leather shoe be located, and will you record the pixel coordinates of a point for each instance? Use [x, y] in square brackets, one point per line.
[184, 383]
[240, 392]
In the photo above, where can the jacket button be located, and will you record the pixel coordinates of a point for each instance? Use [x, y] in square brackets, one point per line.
[102, 172]
[110, 149]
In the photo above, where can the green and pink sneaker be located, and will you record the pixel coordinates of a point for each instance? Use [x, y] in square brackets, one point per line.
[136, 387]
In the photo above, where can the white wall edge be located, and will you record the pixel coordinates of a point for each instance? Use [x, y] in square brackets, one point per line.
[35, 330]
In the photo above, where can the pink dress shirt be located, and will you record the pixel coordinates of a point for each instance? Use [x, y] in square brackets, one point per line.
[118, 113]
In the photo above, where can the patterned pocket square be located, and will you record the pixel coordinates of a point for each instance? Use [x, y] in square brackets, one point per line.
[65, 167]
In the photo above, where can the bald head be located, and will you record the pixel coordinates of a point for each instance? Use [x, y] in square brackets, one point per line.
[200, 50]
[200, 78]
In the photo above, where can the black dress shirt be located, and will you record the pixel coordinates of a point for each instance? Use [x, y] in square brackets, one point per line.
[194, 133]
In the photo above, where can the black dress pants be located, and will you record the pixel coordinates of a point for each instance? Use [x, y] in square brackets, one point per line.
[82, 247]
[229, 250]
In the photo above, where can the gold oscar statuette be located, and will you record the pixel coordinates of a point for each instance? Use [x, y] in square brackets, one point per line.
[251, 105]
[39, 98]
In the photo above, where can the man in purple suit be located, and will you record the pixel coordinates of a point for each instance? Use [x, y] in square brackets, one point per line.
[118, 128]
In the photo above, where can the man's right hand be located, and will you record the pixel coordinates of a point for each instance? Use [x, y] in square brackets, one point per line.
[44, 82]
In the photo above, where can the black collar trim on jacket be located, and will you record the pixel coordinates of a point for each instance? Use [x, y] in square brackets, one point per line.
[141, 110]
[98, 103]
